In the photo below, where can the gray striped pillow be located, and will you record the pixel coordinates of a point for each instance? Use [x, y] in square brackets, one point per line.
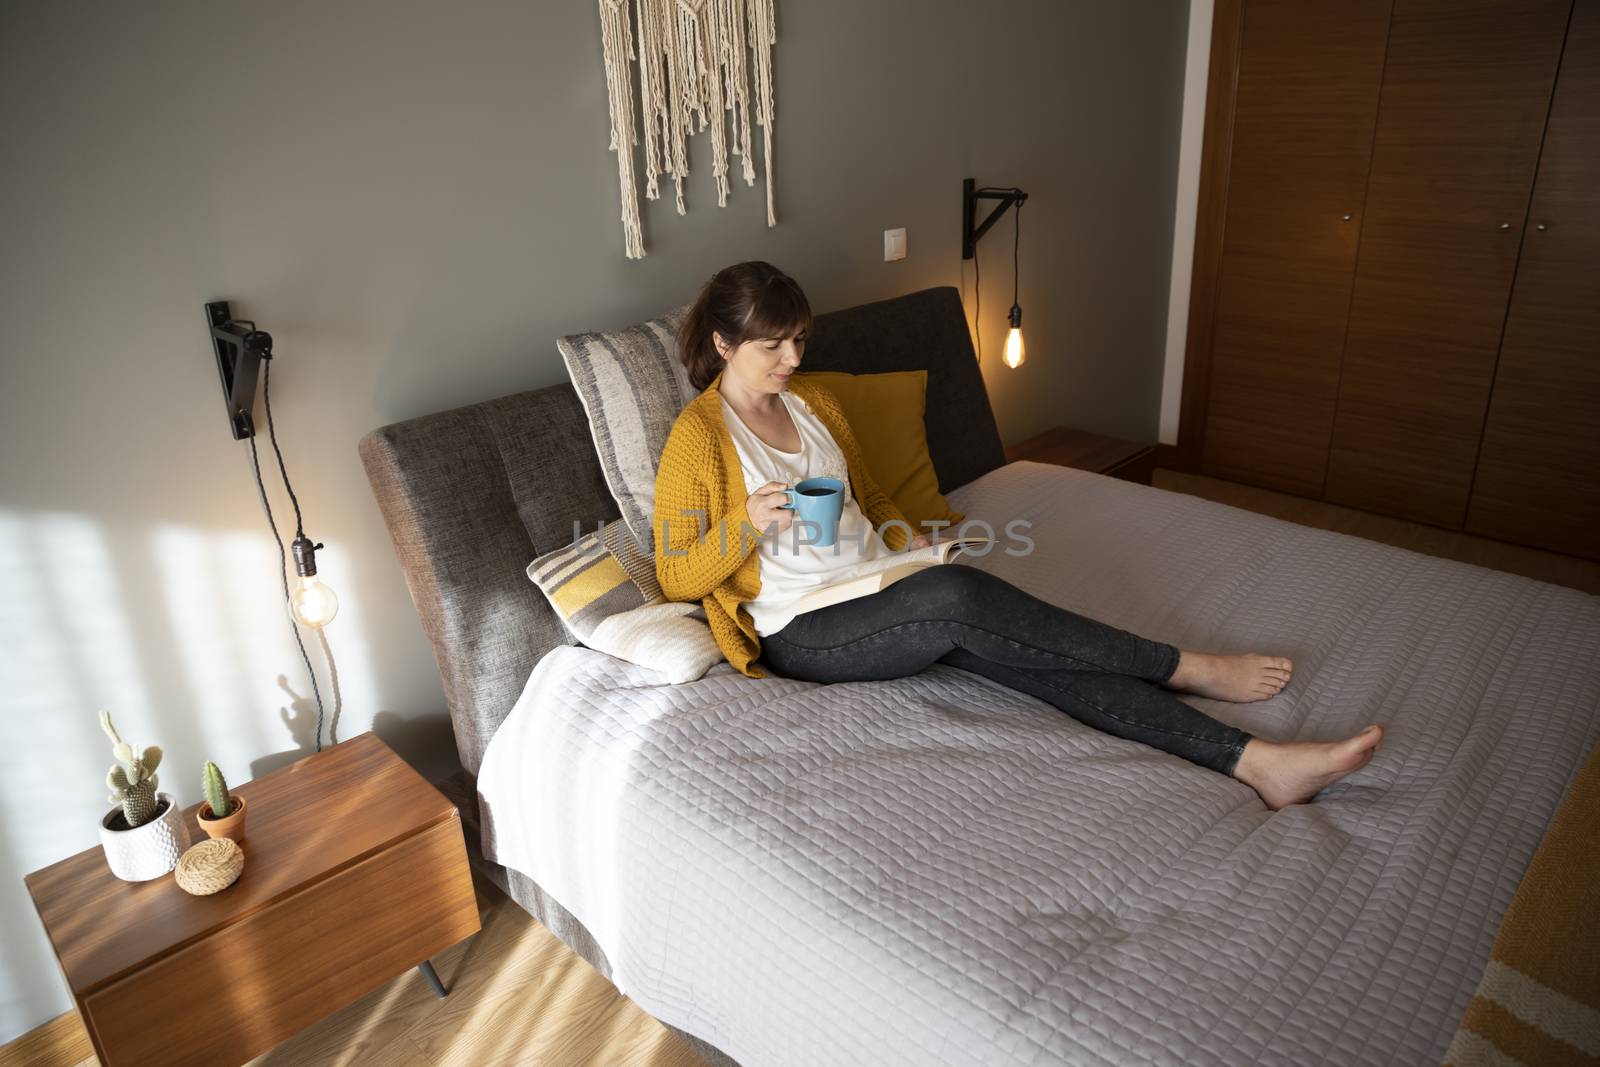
[632, 387]
[604, 589]
[601, 574]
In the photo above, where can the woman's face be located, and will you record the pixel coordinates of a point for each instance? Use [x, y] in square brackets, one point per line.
[764, 365]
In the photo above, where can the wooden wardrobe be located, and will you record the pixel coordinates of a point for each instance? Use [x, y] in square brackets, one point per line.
[1396, 296]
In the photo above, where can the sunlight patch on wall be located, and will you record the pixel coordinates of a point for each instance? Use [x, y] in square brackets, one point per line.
[224, 604]
[68, 654]
[95, 616]
[209, 645]
[352, 652]
[66, 645]
[245, 674]
[250, 594]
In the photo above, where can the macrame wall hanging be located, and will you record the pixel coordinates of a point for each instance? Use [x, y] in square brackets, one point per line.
[697, 59]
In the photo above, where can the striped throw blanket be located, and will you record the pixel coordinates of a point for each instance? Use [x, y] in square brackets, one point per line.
[1539, 1000]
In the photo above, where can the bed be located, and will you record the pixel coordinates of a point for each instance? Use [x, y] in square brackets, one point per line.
[940, 870]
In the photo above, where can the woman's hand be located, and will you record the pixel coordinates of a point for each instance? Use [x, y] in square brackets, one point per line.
[919, 541]
[765, 506]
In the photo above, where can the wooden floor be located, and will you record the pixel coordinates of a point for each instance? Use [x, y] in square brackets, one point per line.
[519, 996]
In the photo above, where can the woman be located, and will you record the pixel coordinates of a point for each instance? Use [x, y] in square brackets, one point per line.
[723, 537]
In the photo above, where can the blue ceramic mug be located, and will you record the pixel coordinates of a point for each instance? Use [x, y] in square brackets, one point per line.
[819, 501]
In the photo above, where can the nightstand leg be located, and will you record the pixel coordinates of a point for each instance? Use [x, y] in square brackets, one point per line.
[426, 967]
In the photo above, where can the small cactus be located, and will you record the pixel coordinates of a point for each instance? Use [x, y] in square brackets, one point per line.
[216, 791]
[133, 781]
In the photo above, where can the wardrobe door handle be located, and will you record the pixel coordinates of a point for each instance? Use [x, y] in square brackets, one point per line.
[1505, 225]
[1347, 218]
[1540, 227]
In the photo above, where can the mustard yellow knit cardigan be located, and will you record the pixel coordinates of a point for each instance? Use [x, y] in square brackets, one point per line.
[706, 543]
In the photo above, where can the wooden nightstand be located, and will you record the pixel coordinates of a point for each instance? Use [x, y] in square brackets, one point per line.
[355, 870]
[1090, 452]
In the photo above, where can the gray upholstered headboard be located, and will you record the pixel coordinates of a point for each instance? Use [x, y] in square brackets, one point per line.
[472, 495]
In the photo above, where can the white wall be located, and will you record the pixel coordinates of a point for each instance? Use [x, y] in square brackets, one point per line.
[416, 198]
[1195, 72]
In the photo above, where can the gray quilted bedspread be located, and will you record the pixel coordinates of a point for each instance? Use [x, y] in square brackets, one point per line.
[939, 870]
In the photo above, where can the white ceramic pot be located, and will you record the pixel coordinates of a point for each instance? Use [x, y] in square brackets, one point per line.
[147, 851]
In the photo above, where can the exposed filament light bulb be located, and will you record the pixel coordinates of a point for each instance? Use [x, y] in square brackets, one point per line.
[1014, 354]
[311, 602]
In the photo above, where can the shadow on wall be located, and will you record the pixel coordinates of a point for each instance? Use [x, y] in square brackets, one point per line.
[427, 742]
[299, 717]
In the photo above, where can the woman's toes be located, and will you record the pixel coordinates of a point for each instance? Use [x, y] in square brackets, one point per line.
[1356, 750]
[1270, 679]
[1240, 678]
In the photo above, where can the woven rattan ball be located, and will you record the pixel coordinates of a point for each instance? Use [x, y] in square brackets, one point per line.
[210, 866]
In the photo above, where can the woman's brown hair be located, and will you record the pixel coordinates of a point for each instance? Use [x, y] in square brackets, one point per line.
[749, 301]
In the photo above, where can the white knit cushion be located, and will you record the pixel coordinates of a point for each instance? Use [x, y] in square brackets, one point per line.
[632, 387]
[670, 637]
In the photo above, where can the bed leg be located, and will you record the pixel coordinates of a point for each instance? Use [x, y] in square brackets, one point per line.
[426, 967]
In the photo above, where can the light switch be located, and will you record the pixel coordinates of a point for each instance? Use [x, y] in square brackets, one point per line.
[894, 244]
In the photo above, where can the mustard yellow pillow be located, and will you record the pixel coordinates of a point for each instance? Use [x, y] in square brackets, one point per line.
[885, 413]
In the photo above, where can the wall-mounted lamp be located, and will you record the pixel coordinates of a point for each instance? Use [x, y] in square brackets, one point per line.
[970, 234]
[242, 352]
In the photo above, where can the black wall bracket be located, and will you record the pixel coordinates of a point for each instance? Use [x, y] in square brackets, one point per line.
[970, 195]
[240, 348]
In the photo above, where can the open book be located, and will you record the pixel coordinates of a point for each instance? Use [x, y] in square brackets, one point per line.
[884, 573]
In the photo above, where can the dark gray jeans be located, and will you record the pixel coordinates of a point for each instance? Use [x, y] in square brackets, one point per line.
[1102, 676]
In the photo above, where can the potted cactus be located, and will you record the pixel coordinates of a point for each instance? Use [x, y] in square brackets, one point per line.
[222, 815]
[142, 836]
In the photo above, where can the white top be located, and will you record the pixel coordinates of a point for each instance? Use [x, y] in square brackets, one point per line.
[791, 568]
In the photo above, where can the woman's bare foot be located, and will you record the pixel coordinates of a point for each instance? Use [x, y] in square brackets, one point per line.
[1294, 772]
[1243, 678]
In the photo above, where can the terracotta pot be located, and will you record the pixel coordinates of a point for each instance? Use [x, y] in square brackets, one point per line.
[143, 852]
[231, 827]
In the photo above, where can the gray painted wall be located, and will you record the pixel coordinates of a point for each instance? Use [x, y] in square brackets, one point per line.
[416, 199]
